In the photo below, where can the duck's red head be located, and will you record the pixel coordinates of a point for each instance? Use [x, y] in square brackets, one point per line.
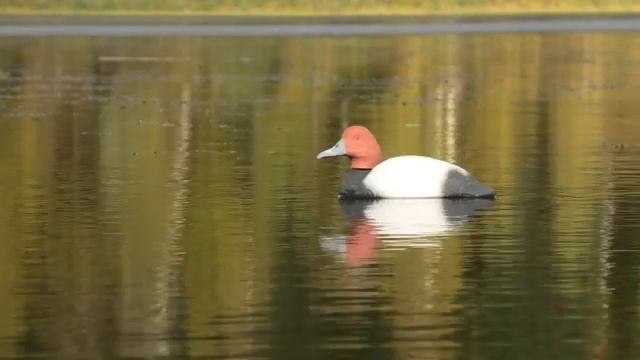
[360, 145]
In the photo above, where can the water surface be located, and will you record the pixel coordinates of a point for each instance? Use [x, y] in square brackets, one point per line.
[161, 197]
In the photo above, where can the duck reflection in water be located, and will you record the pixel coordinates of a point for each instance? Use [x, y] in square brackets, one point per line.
[398, 223]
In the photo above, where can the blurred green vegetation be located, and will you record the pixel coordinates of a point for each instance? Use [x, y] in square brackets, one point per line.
[336, 7]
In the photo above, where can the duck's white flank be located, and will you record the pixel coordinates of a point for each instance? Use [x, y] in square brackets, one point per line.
[410, 177]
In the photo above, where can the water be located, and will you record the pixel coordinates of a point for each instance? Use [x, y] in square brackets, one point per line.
[161, 197]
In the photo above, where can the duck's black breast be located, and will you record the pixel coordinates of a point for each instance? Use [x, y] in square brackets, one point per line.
[352, 186]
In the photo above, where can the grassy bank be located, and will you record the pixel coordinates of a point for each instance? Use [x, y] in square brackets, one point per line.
[315, 7]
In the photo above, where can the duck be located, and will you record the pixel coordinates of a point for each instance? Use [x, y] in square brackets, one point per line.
[407, 176]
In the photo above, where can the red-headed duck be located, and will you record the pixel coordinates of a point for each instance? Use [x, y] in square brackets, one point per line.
[401, 176]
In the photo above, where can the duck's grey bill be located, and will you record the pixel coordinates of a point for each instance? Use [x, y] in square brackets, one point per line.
[337, 150]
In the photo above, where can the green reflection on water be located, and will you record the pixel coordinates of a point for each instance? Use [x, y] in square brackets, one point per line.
[163, 199]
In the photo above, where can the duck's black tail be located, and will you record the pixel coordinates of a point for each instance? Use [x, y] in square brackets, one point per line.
[479, 190]
[459, 185]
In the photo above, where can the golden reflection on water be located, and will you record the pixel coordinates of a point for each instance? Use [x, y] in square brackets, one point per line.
[162, 197]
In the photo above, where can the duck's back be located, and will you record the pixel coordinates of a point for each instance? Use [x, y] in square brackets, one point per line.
[423, 177]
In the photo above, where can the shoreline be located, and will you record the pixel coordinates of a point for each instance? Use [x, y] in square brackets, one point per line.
[346, 13]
